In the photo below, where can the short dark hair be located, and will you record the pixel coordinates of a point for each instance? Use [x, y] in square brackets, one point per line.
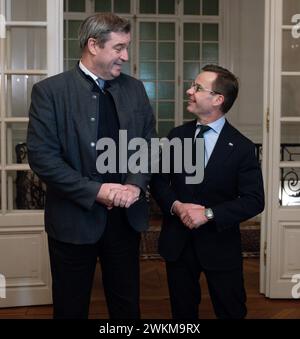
[226, 84]
[99, 26]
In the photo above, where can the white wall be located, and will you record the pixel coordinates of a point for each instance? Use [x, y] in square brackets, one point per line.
[247, 61]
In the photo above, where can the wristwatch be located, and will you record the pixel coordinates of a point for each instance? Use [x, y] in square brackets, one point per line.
[209, 213]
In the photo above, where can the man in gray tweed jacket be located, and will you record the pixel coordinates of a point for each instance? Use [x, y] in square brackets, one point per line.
[89, 215]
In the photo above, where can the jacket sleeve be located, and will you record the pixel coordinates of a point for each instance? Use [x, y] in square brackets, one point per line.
[149, 132]
[160, 187]
[44, 152]
[250, 200]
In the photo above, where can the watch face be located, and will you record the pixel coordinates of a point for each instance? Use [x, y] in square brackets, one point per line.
[209, 214]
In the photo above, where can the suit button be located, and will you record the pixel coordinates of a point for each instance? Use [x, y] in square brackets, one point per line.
[92, 144]
[94, 96]
[93, 119]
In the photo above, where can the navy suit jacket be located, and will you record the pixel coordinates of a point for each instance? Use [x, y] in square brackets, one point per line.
[62, 133]
[232, 187]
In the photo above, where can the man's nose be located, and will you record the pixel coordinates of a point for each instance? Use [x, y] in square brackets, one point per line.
[124, 55]
[190, 91]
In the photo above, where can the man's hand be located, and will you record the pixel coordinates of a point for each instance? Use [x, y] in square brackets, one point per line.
[191, 215]
[107, 193]
[125, 198]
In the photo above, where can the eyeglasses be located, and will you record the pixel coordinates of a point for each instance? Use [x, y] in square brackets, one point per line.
[199, 88]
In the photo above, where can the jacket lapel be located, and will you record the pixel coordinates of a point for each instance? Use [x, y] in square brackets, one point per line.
[222, 150]
[115, 91]
[225, 145]
[189, 132]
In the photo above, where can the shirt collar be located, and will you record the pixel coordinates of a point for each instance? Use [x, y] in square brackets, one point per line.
[216, 125]
[87, 72]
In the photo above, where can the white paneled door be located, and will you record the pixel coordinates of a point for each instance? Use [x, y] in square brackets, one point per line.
[280, 266]
[30, 49]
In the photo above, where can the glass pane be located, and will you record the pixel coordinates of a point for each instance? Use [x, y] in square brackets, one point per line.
[191, 51]
[166, 110]
[166, 7]
[166, 90]
[20, 12]
[166, 51]
[290, 136]
[16, 139]
[28, 48]
[148, 6]
[192, 32]
[210, 7]
[147, 51]
[76, 5]
[103, 6]
[186, 114]
[290, 8]
[166, 71]
[210, 53]
[126, 68]
[147, 31]
[290, 53]
[191, 70]
[166, 31]
[150, 89]
[73, 26]
[73, 49]
[210, 32]
[289, 188]
[122, 6]
[72, 63]
[164, 127]
[25, 191]
[186, 86]
[192, 7]
[65, 29]
[148, 70]
[18, 95]
[290, 96]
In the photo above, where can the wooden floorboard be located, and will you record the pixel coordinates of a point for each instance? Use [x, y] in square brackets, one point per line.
[155, 299]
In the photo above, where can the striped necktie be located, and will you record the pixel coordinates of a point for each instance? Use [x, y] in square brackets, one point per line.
[200, 130]
[101, 84]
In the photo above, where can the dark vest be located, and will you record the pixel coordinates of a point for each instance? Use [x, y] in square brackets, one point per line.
[108, 125]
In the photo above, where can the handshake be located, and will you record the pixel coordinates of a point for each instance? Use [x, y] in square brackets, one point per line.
[191, 215]
[117, 195]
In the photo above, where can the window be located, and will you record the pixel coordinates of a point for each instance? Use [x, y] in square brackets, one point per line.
[23, 63]
[171, 41]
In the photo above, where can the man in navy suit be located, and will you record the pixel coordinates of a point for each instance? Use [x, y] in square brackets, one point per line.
[91, 215]
[200, 230]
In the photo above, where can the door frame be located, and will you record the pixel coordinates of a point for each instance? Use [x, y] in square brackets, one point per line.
[280, 224]
[24, 258]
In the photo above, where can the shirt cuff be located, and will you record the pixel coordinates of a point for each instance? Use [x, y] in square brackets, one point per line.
[171, 209]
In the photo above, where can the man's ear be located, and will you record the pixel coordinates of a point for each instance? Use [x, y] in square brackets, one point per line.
[219, 100]
[92, 46]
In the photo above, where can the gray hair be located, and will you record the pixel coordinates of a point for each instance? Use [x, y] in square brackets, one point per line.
[99, 26]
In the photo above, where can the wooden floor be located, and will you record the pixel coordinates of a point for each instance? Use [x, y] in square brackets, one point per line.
[155, 301]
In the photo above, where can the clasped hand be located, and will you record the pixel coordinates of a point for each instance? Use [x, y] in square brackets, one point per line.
[191, 215]
[117, 195]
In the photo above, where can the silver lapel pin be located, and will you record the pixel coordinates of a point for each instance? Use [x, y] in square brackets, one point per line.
[230, 144]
